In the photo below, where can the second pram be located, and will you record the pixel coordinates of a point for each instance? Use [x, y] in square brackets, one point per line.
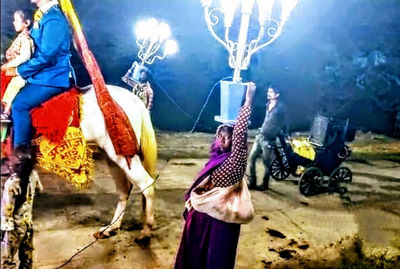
[316, 159]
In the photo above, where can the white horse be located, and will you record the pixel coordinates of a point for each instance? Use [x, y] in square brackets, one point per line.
[142, 169]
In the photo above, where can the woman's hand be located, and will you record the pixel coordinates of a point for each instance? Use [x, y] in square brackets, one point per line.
[205, 188]
[251, 89]
[188, 205]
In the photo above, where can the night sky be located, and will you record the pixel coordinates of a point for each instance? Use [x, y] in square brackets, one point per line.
[337, 58]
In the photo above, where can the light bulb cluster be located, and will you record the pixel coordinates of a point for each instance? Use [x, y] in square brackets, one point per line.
[153, 39]
[272, 15]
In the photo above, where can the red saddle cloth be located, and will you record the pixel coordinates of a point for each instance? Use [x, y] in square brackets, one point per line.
[61, 146]
[5, 80]
[53, 117]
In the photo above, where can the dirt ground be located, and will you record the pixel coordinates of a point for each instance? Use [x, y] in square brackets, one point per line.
[358, 230]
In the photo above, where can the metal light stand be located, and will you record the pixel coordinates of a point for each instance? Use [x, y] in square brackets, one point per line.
[272, 15]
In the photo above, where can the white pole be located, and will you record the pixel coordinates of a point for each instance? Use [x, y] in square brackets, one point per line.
[244, 27]
[149, 51]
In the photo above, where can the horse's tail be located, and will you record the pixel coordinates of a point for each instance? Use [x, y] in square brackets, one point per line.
[148, 145]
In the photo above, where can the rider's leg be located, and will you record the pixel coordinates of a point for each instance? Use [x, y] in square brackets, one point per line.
[29, 97]
[23, 157]
[254, 154]
[13, 88]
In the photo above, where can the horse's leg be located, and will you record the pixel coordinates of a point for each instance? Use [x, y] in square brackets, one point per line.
[95, 130]
[148, 210]
[138, 175]
[124, 187]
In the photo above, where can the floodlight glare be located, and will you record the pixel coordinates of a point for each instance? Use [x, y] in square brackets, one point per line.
[151, 35]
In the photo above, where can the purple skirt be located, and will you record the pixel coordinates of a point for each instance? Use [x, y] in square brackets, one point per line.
[207, 243]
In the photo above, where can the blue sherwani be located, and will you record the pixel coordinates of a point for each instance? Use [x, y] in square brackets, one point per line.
[46, 73]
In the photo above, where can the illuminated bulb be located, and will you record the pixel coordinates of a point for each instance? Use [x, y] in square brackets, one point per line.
[287, 7]
[206, 3]
[164, 31]
[151, 25]
[247, 6]
[264, 10]
[152, 29]
[229, 9]
[171, 47]
[140, 30]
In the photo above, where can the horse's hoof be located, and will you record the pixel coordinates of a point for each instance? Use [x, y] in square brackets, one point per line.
[103, 235]
[100, 235]
[143, 240]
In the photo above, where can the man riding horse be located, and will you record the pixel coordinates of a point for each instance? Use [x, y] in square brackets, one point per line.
[119, 124]
[47, 73]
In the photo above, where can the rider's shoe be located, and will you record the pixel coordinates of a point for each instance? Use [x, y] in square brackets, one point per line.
[22, 161]
[5, 118]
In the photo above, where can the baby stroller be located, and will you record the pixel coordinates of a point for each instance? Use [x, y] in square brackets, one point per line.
[322, 172]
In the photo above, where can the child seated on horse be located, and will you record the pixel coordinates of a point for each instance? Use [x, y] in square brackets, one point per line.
[19, 52]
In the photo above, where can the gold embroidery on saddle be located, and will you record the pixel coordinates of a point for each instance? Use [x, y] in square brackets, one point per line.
[70, 159]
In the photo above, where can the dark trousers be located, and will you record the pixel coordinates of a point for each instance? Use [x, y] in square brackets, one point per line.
[261, 148]
[29, 97]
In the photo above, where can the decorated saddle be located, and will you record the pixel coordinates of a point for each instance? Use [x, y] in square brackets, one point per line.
[61, 146]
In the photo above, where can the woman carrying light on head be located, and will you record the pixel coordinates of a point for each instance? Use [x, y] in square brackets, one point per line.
[211, 242]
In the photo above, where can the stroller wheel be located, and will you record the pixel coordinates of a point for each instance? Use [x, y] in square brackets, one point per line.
[280, 170]
[310, 181]
[342, 174]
